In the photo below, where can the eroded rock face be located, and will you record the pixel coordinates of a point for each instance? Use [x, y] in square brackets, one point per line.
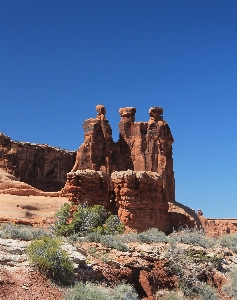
[138, 178]
[96, 151]
[142, 146]
[136, 196]
[218, 227]
[92, 187]
[140, 200]
[41, 166]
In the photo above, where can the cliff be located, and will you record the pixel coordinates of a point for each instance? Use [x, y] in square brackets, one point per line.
[41, 166]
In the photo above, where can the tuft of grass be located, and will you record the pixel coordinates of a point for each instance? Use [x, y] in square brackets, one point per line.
[229, 241]
[192, 237]
[111, 242]
[22, 232]
[90, 291]
[152, 235]
[231, 288]
[51, 259]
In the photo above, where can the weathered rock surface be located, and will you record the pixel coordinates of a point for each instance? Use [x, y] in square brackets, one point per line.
[41, 166]
[96, 151]
[137, 197]
[88, 186]
[218, 227]
[147, 146]
[142, 146]
[138, 178]
[140, 200]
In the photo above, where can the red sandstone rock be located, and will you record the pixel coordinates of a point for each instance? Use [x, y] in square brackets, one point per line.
[92, 187]
[140, 200]
[147, 146]
[41, 166]
[218, 227]
[142, 146]
[96, 151]
[141, 164]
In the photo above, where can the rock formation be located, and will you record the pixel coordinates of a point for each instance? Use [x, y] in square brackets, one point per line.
[41, 166]
[149, 145]
[88, 186]
[142, 146]
[133, 177]
[140, 199]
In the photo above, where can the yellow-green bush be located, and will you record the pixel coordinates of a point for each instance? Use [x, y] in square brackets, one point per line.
[51, 259]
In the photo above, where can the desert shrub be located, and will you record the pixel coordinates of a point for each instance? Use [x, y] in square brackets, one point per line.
[82, 220]
[112, 242]
[152, 235]
[90, 291]
[202, 256]
[86, 291]
[229, 240]
[206, 292]
[149, 236]
[51, 259]
[21, 232]
[113, 225]
[93, 237]
[180, 263]
[124, 292]
[129, 237]
[192, 237]
[172, 295]
[231, 288]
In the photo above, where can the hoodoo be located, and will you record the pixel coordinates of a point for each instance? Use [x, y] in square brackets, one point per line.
[134, 176]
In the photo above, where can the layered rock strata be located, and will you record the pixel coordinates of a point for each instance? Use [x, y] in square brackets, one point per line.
[88, 186]
[139, 197]
[142, 146]
[149, 145]
[41, 166]
[217, 227]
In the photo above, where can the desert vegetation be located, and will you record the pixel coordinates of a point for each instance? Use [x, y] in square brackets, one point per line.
[193, 265]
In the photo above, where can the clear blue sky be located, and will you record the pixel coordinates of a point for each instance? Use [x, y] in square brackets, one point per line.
[59, 59]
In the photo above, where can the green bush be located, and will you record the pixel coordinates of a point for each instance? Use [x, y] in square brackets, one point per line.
[229, 241]
[113, 225]
[90, 291]
[83, 220]
[51, 259]
[21, 232]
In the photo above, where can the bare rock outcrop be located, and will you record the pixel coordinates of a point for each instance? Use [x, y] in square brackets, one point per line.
[142, 146]
[140, 200]
[41, 166]
[92, 187]
[217, 227]
[96, 151]
[138, 178]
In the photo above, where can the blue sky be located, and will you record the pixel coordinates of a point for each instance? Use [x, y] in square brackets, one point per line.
[58, 59]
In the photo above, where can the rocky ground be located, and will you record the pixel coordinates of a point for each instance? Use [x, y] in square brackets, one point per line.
[153, 269]
[183, 266]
